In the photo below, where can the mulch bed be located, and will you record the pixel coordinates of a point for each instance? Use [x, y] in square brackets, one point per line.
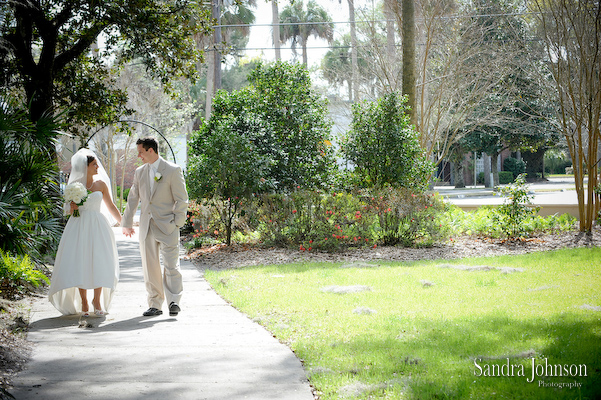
[238, 256]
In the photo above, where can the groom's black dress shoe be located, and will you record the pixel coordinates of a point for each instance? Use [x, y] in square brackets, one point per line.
[151, 312]
[174, 309]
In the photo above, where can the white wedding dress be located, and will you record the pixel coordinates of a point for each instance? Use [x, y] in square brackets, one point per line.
[87, 258]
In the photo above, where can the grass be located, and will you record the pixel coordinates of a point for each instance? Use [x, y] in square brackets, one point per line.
[433, 330]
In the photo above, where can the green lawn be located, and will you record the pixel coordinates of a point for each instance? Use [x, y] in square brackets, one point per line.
[434, 330]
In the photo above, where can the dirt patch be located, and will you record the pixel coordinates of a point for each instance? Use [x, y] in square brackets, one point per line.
[15, 350]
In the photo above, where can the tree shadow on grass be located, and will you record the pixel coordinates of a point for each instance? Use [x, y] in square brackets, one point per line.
[433, 359]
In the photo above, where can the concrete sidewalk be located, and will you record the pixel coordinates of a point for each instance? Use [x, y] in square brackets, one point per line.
[209, 351]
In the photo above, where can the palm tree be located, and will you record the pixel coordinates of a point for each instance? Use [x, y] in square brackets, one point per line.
[235, 14]
[242, 16]
[300, 23]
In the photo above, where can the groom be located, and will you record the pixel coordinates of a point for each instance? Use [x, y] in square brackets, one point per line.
[159, 186]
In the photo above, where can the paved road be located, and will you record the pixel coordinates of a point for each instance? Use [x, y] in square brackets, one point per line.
[555, 196]
[210, 351]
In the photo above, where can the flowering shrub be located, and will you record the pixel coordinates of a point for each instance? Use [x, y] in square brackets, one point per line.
[407, 218]
[330, 221]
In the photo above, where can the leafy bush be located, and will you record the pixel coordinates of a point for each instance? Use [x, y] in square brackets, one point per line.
[384, 147]
[306, 219]
[29, 192]
[225, 167]
[483, 222]
[298, 139]
[18, 276]
[505, 177]
[315, 220]
[407, 218]
[516, 209]
[270, 136]
[515, 166]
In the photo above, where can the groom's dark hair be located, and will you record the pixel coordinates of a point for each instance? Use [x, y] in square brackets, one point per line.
[149, 143]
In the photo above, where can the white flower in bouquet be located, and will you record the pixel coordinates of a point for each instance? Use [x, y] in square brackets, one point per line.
[77, 193]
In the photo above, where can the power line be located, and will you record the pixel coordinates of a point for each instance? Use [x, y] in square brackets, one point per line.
[456, 16]
[533, 39]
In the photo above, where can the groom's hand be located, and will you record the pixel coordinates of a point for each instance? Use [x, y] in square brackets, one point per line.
[128, 231]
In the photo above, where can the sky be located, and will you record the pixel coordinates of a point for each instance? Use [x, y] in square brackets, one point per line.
[260, 36]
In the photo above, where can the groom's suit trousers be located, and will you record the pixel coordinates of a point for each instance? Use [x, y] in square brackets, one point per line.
[161, 286]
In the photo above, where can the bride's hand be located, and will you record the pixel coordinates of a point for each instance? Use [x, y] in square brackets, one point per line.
[73, 207]
[128, 231]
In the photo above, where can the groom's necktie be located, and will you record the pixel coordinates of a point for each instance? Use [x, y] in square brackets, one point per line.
[151, 174]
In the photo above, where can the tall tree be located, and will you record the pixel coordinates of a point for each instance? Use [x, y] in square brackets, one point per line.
[572, 36]
[45, 53]
[214, 59]
[456, 73]
[354, 62]
[302, 23]
[521, 122]
[336, 64]
[275, 20]
[409, 61]
[377, 50]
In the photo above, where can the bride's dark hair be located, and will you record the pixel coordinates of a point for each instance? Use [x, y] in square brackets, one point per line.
[90, 159]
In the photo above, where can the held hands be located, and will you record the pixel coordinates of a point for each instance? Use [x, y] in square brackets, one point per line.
[128, 231]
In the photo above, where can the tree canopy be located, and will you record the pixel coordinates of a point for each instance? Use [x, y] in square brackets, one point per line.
[47, 61]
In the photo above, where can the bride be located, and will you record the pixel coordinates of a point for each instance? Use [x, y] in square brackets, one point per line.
[87, 254]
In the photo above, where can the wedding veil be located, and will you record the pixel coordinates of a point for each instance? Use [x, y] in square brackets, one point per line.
[79, 173]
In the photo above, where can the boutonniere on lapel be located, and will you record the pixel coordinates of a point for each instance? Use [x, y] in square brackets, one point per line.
[158, 177]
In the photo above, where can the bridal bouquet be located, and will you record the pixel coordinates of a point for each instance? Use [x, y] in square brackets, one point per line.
[75, 192]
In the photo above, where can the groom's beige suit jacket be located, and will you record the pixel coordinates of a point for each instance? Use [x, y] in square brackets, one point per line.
[166, 204]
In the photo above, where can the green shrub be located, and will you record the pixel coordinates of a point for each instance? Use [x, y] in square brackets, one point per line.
[478, 222]
[118, 193]
[505, 177]
[315, 220]
[517, 208]
[407, 218]
[18, 276]
[384, 147]
[483, 222]
[311, 220]
[29, 191]
[515, 166]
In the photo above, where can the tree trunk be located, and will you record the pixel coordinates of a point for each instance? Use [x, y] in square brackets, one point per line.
[214, 61]
[487, 182]
[495, 169]
[275, 20]
[390, 40]
[534, 163]
[210, 88]
[218, 40]
[408, 29]
[229, 221]
[354, 67]
[304, 47]
[457, 168]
